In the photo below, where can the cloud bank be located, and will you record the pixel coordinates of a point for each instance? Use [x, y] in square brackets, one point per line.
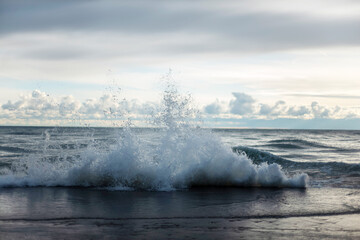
[39, 107]
[45, 108]
[245, 106]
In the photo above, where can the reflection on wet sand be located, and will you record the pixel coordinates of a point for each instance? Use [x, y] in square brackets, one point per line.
[205, 213]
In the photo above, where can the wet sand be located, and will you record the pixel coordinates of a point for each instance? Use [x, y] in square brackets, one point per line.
[211, 213]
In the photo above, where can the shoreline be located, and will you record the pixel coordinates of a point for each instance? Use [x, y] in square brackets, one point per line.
[318, 227]
[203, 213]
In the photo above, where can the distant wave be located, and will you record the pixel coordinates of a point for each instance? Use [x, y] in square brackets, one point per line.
[22, 133]
[15, 149]
[284, 145]
[301, 143]
[304, 144]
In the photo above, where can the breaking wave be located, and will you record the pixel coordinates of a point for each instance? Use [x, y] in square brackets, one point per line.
[183, 157]
[327, 169]
[304, 144]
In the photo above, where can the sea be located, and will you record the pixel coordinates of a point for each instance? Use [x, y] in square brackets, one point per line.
[178, 182]
[169, 160]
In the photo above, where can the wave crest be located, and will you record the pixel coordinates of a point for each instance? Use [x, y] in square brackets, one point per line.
[198, 160]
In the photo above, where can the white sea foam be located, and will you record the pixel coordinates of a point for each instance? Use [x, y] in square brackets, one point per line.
[185, 156]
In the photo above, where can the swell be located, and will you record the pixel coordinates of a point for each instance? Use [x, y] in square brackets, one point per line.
[15, 149]
[304, 144]
[284, 146]
[301, 142]
[259, 157]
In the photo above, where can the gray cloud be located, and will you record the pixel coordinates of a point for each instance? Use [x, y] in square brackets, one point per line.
[214, 108]
[319, 111]
[226, 31]
[126, 16]
[298, 111]
[54, 53]
[242, 105]
[275, 110]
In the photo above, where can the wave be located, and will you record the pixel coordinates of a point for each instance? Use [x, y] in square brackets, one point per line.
[284, 145]
[183, 157]
[178, 162]
[301, 143]
[15, 149]
[331, 168]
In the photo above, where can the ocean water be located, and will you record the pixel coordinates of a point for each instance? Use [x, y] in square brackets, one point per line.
[106, 183]
[154, 159]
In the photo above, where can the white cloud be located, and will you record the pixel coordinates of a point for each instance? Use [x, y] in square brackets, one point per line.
[39, 105]
[245, 106]
[42, 109]
[35, 105]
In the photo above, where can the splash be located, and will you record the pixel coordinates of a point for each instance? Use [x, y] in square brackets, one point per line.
[182, 156]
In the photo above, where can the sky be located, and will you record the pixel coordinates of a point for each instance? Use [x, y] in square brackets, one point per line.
[263, 64]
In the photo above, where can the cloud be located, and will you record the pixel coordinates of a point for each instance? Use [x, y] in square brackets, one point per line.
[243, 42]
[276, 110]
[39, 105]
[319, 111]
[35, 105]
[68, 106]
[245, 106]
[214, 108]
[298, 111]
[242, 105]
[325, 96]
[229, 27]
